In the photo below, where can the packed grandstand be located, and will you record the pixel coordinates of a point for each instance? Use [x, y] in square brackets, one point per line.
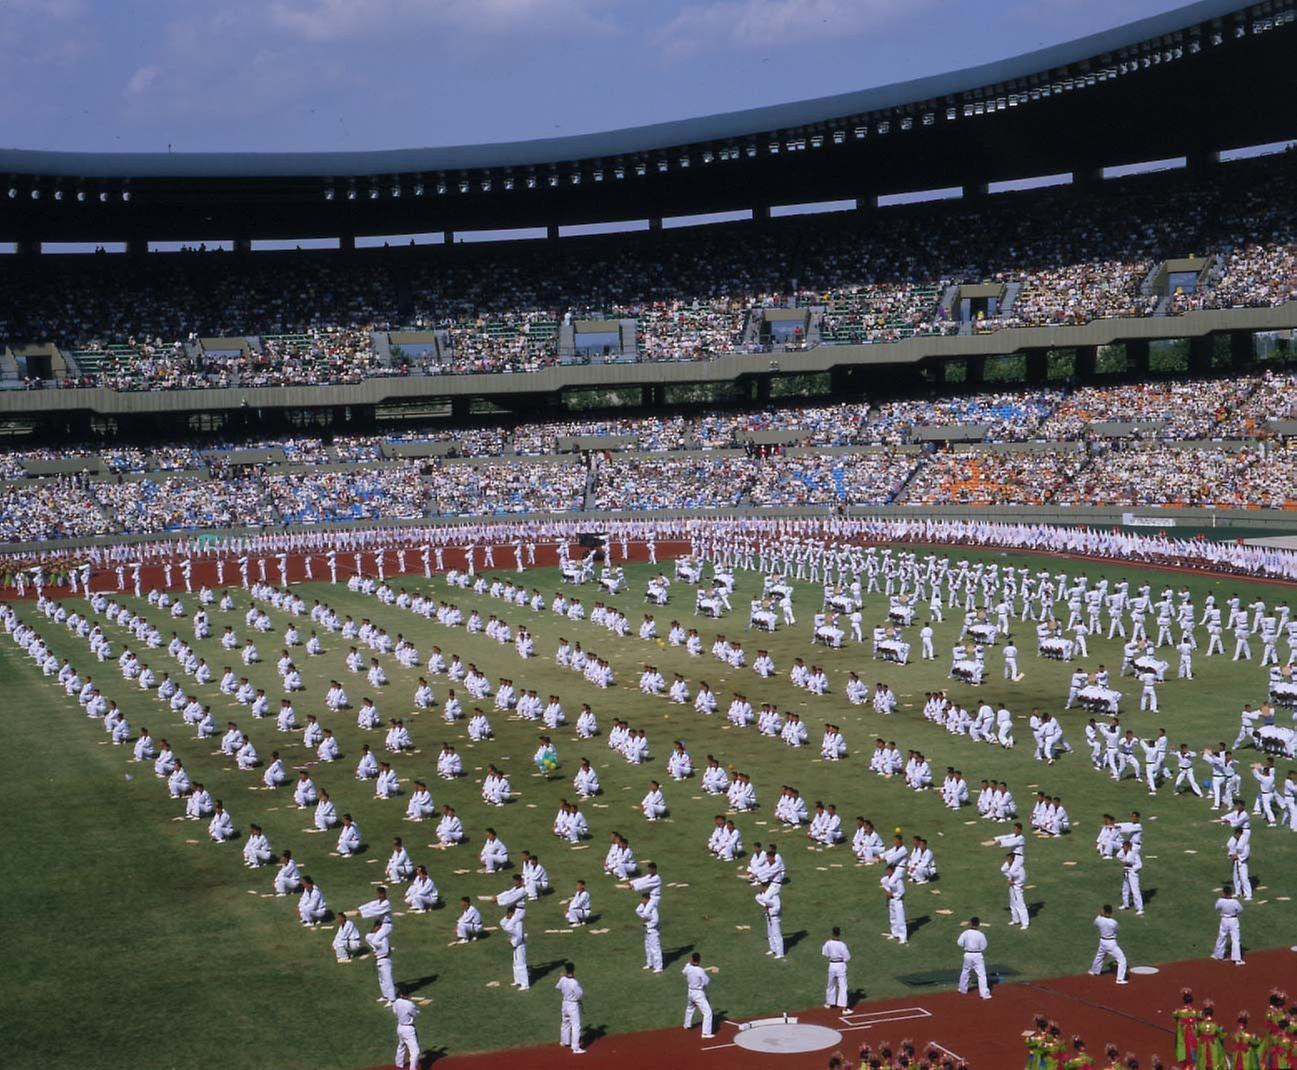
[1060, 257]
[1180, 442]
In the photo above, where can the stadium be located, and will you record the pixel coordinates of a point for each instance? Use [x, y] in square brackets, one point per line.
[503, 596]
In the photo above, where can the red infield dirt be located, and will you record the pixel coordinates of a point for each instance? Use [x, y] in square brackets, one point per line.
[153, 575]
[986, 1033]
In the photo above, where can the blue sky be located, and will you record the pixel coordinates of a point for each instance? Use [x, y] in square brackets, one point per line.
[220, 75]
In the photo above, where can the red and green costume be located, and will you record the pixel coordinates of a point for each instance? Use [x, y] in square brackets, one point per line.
[1079, 1061]
[1186, 1037]
[1211, 1046]
[1244, 1049]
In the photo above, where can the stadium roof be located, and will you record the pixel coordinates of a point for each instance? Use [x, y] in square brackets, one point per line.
[1206, 76]
[623, 142]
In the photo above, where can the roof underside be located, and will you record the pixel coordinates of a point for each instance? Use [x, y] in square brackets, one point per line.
[1207, 76]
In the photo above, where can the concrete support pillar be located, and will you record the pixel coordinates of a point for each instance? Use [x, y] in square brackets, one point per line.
[655, 225]
[1200, 354]
[551, 232]
[1085, 362]
[867, 203]
[242, 246]
[1037, 366]
[1137, 357]
[459, 406]
[1242, 348]
[976, 371]
[974, 190]
[347, 243]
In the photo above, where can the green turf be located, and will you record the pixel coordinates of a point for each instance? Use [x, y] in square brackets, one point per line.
[128, 946]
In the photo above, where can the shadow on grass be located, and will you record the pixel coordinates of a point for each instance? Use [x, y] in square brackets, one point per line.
[416, 984]
[918, 923]
[793, 939]
[543, 969]
[674, 954]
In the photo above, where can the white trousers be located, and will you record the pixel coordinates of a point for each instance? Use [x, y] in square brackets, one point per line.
[1228, 934]
[1018, 907]
[974, 963]
[569, 1030]
[696, 999]
[896, 919]
[653, 949]
[407, 1044]
[1106, 949]
[520, 975]
[775, 935]
[835, 991]
[385, 983]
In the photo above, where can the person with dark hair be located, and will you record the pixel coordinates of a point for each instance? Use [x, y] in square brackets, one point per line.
[569, 1033]
[1186, 1035]
[973, 942]
[1108, 928]
[696, 982]
[407, 1039]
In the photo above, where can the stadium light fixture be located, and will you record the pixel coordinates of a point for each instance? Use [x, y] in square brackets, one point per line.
[396, 192]
[641, 169]
[329, 194]
[441, 188]
[81, 196]
[126, 196]
[58, 195]
[861, 133]
[463, 185]
[103, 196]
[575, 178]
[708, 156]
[619, 173]
[968, 111]
[597, 174]
[684, 161]
[839, 137]
[508, 184]
[663, 166]
[12, 193]
[486, 185]
[885, 127]
[774, 148]
[907, 123]
[373, 193]
[929, 118]
[817, 142]
[351, 193]
[553, 181]
[531, 181]
[418, 189]
[36, 195]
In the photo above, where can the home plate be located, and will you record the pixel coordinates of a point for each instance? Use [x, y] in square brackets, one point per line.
[1144, 971]
[785, 1036]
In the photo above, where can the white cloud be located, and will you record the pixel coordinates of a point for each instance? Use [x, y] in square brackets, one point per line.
[772, 23]
[142, 80]
[332, 20]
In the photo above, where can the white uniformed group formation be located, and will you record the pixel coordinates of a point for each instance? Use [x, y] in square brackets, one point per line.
[990, 597]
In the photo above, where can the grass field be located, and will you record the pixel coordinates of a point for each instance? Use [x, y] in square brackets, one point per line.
[129, 945]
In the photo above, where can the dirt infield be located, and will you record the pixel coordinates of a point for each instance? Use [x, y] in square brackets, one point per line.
[302, 568]
[986, 1033]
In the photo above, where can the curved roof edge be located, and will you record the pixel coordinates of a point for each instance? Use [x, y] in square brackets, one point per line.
[612, 143]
